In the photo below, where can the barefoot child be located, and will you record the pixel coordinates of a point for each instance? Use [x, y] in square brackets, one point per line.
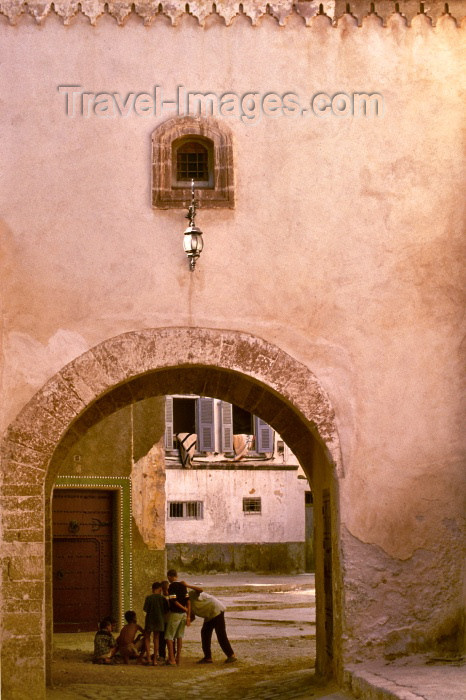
[155, 607]
[128, 644]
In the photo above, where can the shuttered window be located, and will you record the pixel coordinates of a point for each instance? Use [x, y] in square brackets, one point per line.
[227, 427]
[264, 436]
[198, 415]
[168, 423]
[205, 424]
[235, 421]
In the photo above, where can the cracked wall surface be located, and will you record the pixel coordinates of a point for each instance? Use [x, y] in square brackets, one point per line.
[415, 603]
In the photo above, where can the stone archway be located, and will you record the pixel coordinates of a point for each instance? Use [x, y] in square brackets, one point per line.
[123, 370]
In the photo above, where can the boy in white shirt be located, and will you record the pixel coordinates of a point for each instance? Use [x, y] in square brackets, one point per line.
[213, 611]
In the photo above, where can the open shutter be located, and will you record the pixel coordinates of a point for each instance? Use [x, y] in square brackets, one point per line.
[205, 425]
[227, 427]
[264, 436]
[169, 423]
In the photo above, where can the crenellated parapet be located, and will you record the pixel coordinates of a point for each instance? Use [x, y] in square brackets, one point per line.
[227, 11]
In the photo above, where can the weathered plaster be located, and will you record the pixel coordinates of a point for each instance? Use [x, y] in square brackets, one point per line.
[222, 492]
[424, 612]
[276, 557]
[28, 362]
[148, 479]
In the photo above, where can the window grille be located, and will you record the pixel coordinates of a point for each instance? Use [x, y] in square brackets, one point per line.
[186, 510]
[252, 505]
[192, 162]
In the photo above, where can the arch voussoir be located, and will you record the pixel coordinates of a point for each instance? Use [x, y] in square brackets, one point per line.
[58, 399]
[86, 377]
[15, 453]
[245, 356]
[35, 427]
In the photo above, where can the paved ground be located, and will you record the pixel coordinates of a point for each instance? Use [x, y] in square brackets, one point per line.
[271, 624]
[411, 678]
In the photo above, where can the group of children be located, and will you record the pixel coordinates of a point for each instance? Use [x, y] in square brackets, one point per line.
[167, 614]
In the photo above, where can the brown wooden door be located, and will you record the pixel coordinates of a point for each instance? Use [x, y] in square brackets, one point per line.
[82, 558]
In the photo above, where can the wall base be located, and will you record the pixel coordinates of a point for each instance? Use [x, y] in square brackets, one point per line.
[277, 557]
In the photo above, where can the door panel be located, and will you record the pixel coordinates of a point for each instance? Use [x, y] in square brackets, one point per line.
[82, 558]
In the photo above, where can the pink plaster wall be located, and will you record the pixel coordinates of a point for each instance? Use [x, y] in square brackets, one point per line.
[344, 248]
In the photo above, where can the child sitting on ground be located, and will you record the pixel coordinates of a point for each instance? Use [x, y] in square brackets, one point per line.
[104, 643]
[129, 644]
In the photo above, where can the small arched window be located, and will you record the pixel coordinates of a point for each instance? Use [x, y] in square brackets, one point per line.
[192, 148]
[192, 158]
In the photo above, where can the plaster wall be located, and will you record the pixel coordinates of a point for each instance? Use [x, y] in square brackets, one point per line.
[222, 492]
[344, 250]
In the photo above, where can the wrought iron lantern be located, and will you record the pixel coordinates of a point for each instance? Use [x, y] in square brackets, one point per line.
[192, 239]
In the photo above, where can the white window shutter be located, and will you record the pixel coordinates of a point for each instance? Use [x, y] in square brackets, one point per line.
[227, 427]
[264, 436]
[169, 423]
[205, 424]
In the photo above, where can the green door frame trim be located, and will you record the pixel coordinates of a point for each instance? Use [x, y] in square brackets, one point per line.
[121, 484]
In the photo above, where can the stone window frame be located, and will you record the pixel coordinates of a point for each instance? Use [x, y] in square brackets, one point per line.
[166, 194]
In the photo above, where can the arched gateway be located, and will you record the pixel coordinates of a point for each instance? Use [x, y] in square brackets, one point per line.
[236, 367]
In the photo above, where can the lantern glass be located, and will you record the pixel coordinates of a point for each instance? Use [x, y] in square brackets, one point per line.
[192, 241]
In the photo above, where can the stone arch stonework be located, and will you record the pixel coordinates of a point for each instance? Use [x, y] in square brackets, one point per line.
[123, 370]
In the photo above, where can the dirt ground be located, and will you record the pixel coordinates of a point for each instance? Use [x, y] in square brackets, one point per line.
[263, 668]
[271, 625]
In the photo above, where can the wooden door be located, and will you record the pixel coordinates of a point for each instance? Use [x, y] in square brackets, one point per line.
[82, 564]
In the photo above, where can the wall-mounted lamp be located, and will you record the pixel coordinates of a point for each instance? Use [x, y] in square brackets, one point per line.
[192, 240]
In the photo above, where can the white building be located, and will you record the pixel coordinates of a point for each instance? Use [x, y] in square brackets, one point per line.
[241, 502]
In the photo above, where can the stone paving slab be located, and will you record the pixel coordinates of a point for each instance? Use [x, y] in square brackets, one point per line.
[281, 599]
[263, 630]
[292, 686]
[218, 584]
[411, 678]
[292, 616]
